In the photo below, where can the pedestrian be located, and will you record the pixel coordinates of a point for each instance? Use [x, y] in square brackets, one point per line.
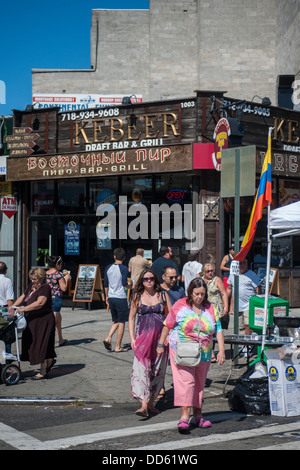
[115, 282]
[216, 295]
[192, 268]
[165, 259]
[225, 265]
[148, 371]
[39, 335]
[137, 264]
[249, 285]
[6, 293]
[189, 318]
[170, 286]
[58, 284]
[6, 288]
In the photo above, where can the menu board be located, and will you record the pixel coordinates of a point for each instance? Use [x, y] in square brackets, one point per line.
[88, 278]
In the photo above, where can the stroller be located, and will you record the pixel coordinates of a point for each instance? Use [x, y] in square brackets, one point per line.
[10, 325]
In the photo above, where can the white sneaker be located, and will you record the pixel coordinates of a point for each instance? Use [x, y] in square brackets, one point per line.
[10, 357]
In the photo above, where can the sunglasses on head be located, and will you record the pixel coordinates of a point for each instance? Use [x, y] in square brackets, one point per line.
[148, 279]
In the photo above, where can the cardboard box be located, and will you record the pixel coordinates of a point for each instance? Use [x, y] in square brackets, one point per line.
[284, 382]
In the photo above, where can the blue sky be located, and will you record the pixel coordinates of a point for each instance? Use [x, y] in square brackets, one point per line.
[45, 34]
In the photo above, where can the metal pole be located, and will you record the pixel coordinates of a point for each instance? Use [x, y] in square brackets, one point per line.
[236, 246]
[266, 284]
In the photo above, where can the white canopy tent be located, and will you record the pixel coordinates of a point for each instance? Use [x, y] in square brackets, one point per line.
[286, 218]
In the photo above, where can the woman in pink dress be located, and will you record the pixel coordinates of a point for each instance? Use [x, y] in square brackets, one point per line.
[183, 323]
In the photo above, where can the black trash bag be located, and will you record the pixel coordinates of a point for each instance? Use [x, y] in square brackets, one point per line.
[250, 396]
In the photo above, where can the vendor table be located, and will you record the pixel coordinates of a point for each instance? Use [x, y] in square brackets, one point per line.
[250, 341]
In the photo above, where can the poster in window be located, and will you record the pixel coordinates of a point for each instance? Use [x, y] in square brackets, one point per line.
[103, 234]
[72, 239]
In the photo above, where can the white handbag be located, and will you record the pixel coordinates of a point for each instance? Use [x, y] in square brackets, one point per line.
[188, 353]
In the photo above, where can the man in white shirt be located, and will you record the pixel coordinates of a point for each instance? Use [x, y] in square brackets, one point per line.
[249, 285]
[6, 287]
[115, 282]
[192, 268]
[6, 292]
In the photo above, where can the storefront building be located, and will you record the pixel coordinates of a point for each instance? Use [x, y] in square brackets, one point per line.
[64, 165]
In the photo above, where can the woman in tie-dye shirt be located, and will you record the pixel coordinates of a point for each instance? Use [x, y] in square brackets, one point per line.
[183, 322]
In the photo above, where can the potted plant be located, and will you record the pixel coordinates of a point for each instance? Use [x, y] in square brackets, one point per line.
[42, 254]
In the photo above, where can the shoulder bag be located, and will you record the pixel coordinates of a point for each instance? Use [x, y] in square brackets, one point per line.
[188, 353]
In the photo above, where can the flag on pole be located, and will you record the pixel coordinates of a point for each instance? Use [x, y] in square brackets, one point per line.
[262, 199]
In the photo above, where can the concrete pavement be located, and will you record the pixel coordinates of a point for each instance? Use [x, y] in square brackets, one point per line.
[86, 371]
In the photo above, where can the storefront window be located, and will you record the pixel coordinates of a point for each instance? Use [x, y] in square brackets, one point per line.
[71, 197]
[42, 197]
[64, 221]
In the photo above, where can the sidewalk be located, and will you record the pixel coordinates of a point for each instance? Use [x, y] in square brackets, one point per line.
[87, 372]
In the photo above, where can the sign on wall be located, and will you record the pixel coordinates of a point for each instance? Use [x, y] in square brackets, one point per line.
[146, 160]
[9, 206]
[74, 101]
[102, 130]
[221, 134]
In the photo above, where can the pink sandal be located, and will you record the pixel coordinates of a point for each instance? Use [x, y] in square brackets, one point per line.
[200, 423]
[183, 425]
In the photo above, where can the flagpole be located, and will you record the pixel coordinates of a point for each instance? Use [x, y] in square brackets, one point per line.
[269, 249]
[269, 242]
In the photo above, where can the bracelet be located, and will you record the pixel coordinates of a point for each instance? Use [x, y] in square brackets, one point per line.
[160, 345]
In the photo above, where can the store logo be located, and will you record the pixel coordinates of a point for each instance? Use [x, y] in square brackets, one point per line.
[290, 374]
[273, 374]
[135, 221]
[221, 134]
[2, 92]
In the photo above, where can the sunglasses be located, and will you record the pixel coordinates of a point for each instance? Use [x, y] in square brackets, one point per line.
[148, 279]
[210, 271]
[171, 277]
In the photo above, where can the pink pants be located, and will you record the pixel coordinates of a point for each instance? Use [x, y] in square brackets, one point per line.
[189, 383]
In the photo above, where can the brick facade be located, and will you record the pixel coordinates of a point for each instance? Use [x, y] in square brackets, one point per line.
[178, 46]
